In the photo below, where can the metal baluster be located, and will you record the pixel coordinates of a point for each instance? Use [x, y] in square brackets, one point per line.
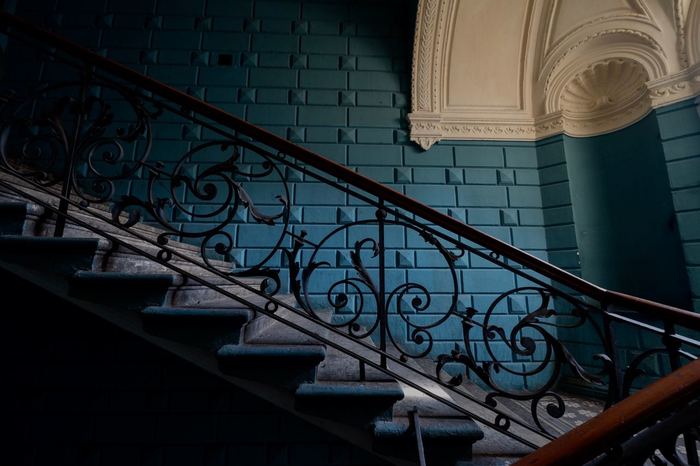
[69, 166]
[615, 383]
[381, 309]
[415, 425]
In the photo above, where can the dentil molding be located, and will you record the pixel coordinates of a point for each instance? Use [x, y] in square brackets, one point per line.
[529, 69]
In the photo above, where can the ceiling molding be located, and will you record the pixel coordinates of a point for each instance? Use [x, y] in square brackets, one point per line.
[637, 54]
[676, 87]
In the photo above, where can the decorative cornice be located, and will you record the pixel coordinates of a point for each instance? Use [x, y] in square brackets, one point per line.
[676, 87]
[429, 128]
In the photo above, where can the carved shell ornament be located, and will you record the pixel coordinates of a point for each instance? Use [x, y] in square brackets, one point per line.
[598, 98]
[604, 86]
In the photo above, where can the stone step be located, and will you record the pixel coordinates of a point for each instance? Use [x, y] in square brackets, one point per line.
[206, 328]
[359, 403]
[51, 256]
[285, 366]
[123, 290]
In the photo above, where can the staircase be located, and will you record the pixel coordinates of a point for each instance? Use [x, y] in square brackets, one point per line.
[256, 353]
[403, 401]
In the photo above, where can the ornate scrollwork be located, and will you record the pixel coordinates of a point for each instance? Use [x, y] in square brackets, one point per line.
[71, 133]
[68, 132]
[522, 341]
[403, 300]
[225, 197]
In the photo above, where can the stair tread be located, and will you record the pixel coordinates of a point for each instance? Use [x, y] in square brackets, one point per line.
[272, 351]
[431, 428]
[122, 276]
[384, 390]
[47, 241]
[196, 312]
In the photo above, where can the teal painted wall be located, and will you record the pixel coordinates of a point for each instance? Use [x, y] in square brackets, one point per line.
[623, 213]
[557, 215]
[680, 135]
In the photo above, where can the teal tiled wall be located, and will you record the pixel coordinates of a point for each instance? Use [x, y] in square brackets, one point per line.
[623, 213]
[680, 134]
[557, 215]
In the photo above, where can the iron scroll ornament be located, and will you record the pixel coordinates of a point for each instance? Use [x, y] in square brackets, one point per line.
[517, 341]
[70, 134]
[364, 322]
[221, 186]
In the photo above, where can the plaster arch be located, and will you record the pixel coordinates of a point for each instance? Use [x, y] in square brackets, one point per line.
[515, 91]
[692, 30]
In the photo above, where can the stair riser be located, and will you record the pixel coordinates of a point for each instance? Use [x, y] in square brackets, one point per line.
[437, 452]
[358, 404]
[286, 367]
[49, 257]
[133, 294]
[13, 216]
[288, 376]
[204, 332]
[358, 412]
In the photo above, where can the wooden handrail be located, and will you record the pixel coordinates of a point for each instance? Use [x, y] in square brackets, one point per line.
[216, 114]
[621, 421]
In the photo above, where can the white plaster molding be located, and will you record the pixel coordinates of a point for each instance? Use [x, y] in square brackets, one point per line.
[617, 42]
[637, 13]
[428, 53]
[655, 42]
[676, 87]
[680, 18]
[692, 32]
[429, 128]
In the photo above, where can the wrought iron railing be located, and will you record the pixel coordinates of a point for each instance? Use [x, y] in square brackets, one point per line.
[83, 140]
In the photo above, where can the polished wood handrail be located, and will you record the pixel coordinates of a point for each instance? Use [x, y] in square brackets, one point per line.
[347, 175]
[621, 421]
